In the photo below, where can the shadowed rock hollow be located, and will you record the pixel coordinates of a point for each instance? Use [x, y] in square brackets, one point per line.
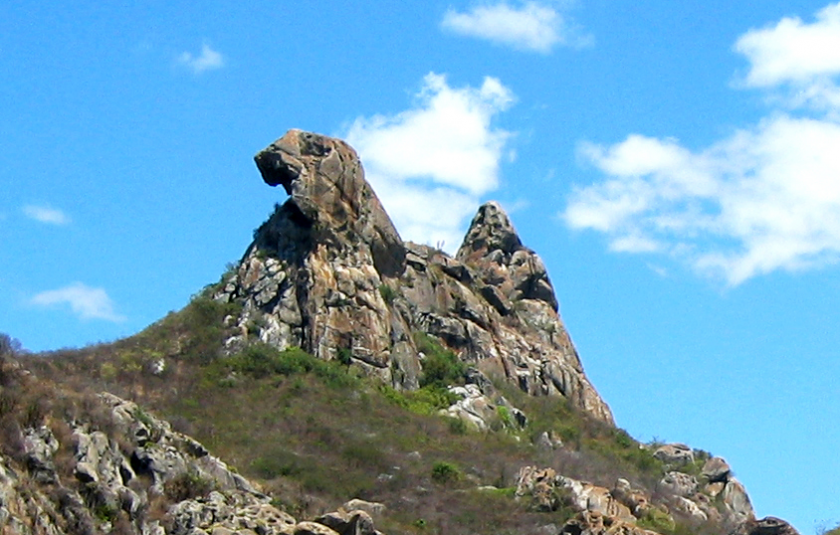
[328, 272]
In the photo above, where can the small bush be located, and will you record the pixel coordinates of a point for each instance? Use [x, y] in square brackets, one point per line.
[186, 486]
[444, 473]
[457, 426]
[388, 294]
[657, 520]
[441, 366]
[344, 355]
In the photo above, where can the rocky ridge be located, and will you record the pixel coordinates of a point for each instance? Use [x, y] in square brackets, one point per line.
[329, 273]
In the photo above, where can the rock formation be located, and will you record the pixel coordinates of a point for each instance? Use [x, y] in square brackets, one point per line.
[329, 273]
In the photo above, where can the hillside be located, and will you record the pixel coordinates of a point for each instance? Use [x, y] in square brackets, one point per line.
[336, 362]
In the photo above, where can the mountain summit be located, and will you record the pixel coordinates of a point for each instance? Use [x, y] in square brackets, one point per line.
[328, 272]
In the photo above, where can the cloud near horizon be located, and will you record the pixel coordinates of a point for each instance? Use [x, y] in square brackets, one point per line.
[766, 198]
[45, 214]
[430, 164]
[533, 26]
[86, 302]
[208, 60]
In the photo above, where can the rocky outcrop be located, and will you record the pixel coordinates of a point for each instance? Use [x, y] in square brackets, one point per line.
[328, 272]
[678, 497]
[117, 469]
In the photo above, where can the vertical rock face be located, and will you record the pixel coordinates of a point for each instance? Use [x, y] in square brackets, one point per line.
[328, 272]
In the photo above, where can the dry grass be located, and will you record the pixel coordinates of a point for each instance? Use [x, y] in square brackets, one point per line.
[314, 435]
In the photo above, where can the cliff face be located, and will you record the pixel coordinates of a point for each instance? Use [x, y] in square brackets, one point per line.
[329, 273]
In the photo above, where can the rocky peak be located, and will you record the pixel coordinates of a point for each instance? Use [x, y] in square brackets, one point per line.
[490, 230]
[494, 249]
[325, 181]
[329, 273]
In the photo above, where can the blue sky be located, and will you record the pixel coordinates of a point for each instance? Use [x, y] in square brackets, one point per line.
[676, 165]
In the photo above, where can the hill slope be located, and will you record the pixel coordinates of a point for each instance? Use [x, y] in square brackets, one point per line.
[322, 366]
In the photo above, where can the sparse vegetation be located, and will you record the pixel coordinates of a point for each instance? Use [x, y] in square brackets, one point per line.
[314, 433]
[187, 485]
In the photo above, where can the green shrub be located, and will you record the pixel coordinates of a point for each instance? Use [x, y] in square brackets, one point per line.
[260, 360]
[441, 366]
[388, 294]
[344, 355]
[457, 426]
[445, 473]
[504, 416]
[657, 520]
[427, 400]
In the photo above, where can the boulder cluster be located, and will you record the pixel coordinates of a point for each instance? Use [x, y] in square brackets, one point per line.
[329, 273]
[711, 497]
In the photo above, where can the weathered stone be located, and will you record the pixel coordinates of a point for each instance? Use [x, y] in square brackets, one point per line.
[737, 501]
[595, 523]
[678, 484]
[355, 522]
[689, 509]
[675, 454]
[326, 183]
[371, 508]
[548, 491]
[538, 485]
[636, 500]
[716, 469]
[766, 526]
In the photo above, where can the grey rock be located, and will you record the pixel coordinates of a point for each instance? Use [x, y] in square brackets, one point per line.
[678, 484]
[371, 508]
[674, 454]
[716, 470]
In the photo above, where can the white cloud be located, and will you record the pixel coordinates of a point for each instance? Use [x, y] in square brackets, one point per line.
[84, 301]
[430, 164]
[208, 60]
[46, 214]
[533, 26]
[792, 50]
[803, 57]
[766, 198]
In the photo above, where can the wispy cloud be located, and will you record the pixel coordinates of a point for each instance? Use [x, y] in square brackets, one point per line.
[430, 164]
[532, 26]
[765, 198]
[208, 60]
[46, 214]
[84, 301]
